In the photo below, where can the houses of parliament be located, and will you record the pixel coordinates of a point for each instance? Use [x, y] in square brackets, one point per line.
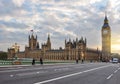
[76, 49]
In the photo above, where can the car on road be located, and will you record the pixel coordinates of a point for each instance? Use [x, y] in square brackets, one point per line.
[115, 60]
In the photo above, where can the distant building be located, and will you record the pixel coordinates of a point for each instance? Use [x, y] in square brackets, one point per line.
[76, 49]
[106, 40]
[13, 51]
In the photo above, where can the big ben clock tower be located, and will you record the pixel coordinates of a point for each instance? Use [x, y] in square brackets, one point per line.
[106, 40]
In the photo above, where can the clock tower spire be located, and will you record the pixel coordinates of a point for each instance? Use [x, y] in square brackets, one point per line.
[106, 40]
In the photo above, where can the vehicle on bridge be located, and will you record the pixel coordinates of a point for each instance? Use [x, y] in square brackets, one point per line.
[115, 60]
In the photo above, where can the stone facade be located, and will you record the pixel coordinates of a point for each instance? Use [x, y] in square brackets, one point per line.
[106, 40]
[76, 49]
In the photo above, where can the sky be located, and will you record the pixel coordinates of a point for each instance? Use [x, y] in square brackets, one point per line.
[62, 19]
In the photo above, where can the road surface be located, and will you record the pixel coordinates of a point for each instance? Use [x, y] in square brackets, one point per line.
[87, 73]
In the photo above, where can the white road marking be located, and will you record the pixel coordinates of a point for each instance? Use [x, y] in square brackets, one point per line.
[46, 81]
[11, 75]
[38, 72]
[30, 73]
[118, 68]
[112, 74]
[61, 69]
[115, 71]
[109, 76]
[57, 69]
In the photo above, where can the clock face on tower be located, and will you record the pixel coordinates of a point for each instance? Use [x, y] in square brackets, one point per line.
[106, 40]
[105, 31]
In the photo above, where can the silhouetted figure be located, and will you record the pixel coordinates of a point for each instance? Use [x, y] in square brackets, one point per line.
[91, 61]
[82, 61]
[76, 61]
[33, 61]
[41, 61]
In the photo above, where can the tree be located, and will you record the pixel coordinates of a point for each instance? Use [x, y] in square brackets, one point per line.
[3, 56]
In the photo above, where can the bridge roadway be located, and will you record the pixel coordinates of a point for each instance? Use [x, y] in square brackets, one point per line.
[87, 73]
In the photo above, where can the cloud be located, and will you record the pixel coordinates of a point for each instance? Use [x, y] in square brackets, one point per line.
[18, 3]
[61, 18]
[12, 24]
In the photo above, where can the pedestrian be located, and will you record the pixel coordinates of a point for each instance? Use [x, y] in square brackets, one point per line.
[82, 61]
[91, 61]
[41, 61]
[76, 61]
[33, 61]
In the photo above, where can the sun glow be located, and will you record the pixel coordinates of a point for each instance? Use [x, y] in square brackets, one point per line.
[115, 46]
